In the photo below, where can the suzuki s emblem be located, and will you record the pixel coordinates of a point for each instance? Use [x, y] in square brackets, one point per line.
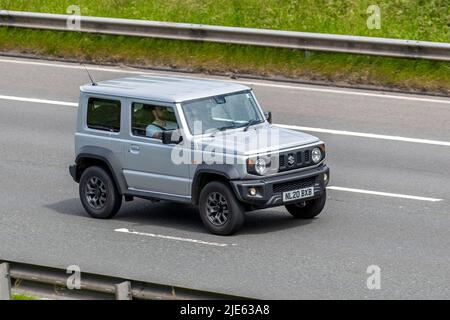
[291, 160]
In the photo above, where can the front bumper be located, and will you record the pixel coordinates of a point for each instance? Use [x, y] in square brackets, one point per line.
[270, 189]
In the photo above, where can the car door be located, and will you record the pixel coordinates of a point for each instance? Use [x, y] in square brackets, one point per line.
[148, 162]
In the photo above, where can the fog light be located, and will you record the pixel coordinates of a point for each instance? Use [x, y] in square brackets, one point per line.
[252, 192]
[325, 177]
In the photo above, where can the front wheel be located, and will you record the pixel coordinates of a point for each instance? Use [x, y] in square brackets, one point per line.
[99, 194]
[308, 209]
[220, 211]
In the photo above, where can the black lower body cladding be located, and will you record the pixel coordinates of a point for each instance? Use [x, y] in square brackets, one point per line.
[73, 172]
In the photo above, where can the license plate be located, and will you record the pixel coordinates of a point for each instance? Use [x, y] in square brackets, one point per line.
[298, 194]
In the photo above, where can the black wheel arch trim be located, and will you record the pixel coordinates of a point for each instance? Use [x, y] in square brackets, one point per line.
[227, 171]
[106, 156]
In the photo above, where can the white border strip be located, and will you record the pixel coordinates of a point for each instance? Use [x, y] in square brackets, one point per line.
[71, 65]
[215, 244]
[348, 92]
[384, 194]
[366, 135]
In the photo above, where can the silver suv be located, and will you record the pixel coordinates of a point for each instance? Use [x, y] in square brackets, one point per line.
[201, 142]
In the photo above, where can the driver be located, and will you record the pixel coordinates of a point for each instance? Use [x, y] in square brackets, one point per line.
[160, 124]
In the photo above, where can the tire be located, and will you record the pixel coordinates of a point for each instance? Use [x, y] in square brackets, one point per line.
[99, 194]
[309, 210]
[220, 211]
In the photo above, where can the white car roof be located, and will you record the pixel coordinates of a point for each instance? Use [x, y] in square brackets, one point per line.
[164, 89]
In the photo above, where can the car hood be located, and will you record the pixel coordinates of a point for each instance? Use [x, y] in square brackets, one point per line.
[258, 139]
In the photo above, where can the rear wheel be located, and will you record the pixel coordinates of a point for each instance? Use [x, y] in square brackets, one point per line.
[220, 211]
[99, 194]
[308, 209]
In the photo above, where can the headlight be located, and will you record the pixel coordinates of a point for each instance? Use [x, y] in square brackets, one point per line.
[262, 165]
[316, 155]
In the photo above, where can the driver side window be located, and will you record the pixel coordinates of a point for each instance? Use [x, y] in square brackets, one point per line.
[151, 120]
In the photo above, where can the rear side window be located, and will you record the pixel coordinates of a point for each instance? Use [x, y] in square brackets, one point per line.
[103, 114]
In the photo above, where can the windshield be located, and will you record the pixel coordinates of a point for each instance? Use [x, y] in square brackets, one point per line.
[221, 113]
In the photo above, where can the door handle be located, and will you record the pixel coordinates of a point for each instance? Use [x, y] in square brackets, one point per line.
[134, 149]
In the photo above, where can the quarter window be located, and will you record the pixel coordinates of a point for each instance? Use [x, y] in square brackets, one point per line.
[103, 114]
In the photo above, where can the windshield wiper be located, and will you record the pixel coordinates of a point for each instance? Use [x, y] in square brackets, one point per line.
[222, 129]
[251, 123]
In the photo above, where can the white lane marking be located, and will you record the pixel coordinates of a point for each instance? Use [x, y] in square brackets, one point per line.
[366, 135]
[384, 194]
[77, 67]
[293, 127]
[348, 92]
[247, 82]
[216, 244]
[43, 101]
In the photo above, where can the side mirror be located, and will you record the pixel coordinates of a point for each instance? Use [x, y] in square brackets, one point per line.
[171, 137]
[268, 116]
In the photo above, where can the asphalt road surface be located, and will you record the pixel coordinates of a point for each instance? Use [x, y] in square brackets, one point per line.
[388, 202]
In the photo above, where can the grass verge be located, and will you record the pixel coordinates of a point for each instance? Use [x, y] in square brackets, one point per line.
[22, 297]
[403, 74]
[409, 19]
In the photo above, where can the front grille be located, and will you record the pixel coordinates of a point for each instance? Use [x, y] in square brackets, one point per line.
[282, 162]
[306, 155]
[296, 159]
[294, 185]
[299, 158]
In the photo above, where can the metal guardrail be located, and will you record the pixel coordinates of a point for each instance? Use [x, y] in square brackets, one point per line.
[40, 281]
[246, 36]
